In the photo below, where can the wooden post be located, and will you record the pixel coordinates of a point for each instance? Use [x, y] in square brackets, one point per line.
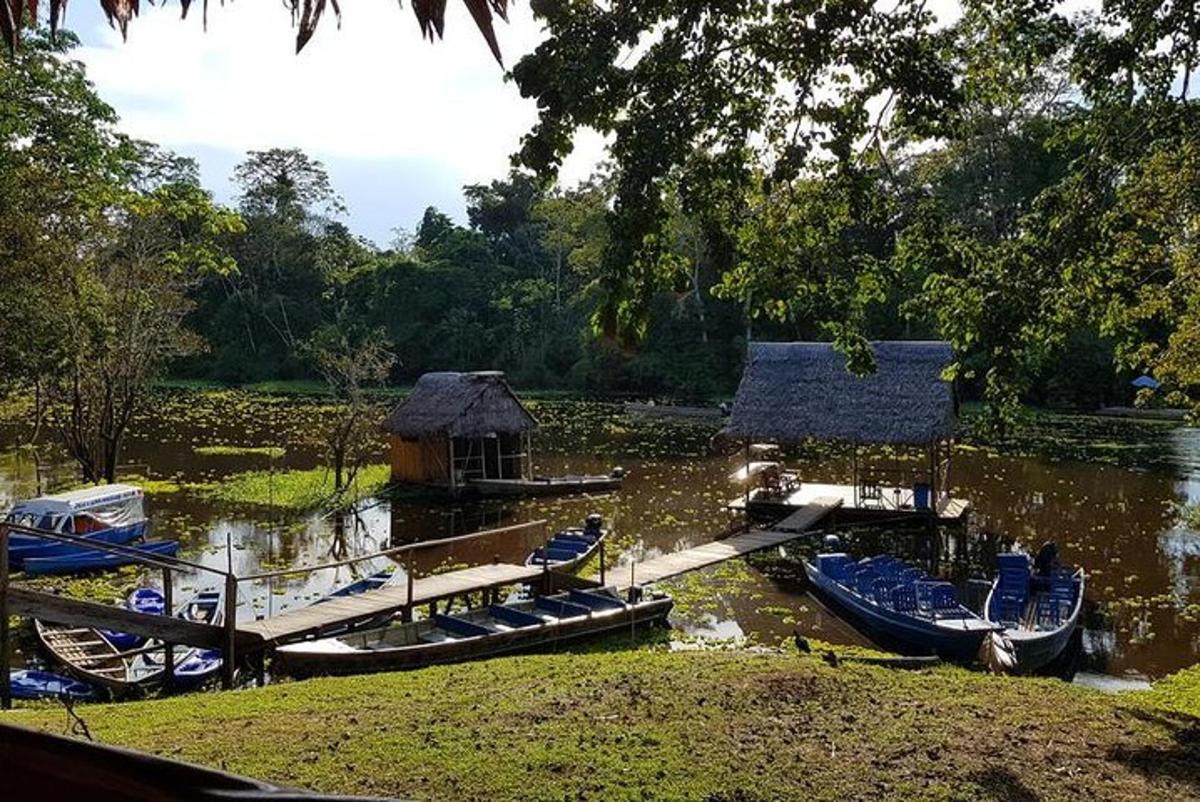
[168, 647]
[602, 562]
[408, 569]
[747, 490]
[229, 658]
[5, 652]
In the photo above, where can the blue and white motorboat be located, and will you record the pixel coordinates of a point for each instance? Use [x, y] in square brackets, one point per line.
[108, 514]
[570, 547]
[34, 684]
[899, 606]
[1039, 613]
[93, 560]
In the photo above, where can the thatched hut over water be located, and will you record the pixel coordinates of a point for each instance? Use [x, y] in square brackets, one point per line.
[458, 427]
[792, 393]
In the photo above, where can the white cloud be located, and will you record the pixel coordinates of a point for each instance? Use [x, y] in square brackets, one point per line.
[373, 90]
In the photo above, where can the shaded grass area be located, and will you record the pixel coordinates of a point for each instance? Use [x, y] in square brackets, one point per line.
[652, 724]
[298, 490]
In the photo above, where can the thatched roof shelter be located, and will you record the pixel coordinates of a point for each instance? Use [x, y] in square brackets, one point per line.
[460, 405]
[792, 392]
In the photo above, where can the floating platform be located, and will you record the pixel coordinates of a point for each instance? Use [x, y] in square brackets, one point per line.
[951, 511]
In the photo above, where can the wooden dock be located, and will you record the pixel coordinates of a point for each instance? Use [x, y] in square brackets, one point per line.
[310, 622]
[891, 504]
[681, 562]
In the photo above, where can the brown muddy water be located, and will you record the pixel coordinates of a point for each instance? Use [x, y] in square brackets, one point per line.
[1109, 493]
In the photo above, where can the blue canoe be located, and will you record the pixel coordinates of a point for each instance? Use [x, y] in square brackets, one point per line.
[29, 547]
[899, 606]
[567, 548]
[375, 581]
[142, 600]
[88, 560]
[30, 684]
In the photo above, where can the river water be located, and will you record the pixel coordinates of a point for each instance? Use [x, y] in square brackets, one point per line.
[1120, 522]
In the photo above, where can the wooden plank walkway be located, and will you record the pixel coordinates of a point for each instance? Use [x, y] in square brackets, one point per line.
[680, 562]
[308, 622]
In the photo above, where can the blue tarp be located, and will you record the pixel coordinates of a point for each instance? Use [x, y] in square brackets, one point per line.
[1146, 382]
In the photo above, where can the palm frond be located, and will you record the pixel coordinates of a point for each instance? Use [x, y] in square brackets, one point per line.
[15, 15]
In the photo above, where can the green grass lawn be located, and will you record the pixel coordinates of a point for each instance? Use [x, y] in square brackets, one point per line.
[653, 724]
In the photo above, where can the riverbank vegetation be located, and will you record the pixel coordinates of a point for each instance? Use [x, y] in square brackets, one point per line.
[650, 723]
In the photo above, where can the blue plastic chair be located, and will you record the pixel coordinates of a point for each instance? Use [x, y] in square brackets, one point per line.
[864, 582]
[943, 598]
[904, 599]
[1007, 608]
[881, 590]
[1048, 612]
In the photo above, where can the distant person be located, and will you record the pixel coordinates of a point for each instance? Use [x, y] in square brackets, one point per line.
[1046, 561]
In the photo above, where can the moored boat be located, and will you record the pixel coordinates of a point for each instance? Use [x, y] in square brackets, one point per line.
[570, 547]
[899, 606]
[473, 634]
[84, 559]
[108, 514]
[34, 684]
[548, 485]
[1039, 613]
[90, 655]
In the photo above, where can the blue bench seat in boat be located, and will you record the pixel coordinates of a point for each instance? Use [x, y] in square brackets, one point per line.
[557, 555]
[561, 609]
[514, 617]
[460, 626]
[569, 544]
[595, 601]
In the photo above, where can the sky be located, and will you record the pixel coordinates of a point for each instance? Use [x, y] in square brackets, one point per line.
[400, 123]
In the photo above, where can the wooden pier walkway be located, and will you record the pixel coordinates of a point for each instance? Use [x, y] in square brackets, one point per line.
[308, 622]
[681, 562]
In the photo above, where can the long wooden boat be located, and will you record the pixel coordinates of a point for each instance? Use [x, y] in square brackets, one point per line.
[896, 605]
[89, 655]
[472, 635]
[1039, 614]
[546, 485]
[86, 560]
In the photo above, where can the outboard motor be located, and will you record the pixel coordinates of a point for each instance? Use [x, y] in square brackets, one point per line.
[617, 473]
[593, 525]
[832, 543]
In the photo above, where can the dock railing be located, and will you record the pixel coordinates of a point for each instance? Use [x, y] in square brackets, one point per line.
[229, 579]
[407, 551]
[164, 563]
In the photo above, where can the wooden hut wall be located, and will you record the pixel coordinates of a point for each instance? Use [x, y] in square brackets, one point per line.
[425, 460]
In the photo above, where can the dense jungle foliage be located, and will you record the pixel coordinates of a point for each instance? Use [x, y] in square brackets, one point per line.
[1019, 182]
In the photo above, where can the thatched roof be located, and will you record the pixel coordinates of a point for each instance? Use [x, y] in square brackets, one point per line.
[460, 405]
[792, 392]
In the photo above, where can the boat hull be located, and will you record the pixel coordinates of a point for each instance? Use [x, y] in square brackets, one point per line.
[552, 486]
[25, 547]
[297, 661]
[902, 633]
[1037, 650]
[83, 560]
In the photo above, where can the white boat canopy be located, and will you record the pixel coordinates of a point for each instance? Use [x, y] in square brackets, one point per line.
[115, 505]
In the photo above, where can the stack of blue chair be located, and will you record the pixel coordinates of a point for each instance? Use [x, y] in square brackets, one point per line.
[1012, 590]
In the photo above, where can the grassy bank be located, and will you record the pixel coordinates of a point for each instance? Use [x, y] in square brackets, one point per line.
[675, 725]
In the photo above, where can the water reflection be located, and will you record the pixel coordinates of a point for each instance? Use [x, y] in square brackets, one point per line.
[1121, 524]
